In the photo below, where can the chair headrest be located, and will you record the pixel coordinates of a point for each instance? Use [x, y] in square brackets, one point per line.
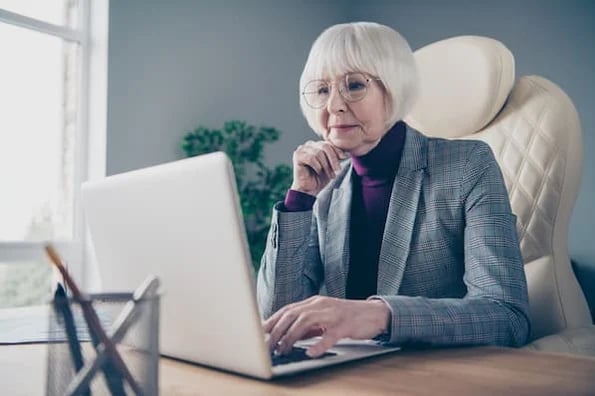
[464, 82]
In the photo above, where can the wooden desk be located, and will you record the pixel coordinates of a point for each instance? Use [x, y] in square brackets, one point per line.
[464, 371]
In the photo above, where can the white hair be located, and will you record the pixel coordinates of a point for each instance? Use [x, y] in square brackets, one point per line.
[367, 47]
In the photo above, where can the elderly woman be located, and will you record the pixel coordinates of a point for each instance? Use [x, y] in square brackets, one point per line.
[386, 233]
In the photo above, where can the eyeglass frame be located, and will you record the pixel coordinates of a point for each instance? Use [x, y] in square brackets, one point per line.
[329, 83]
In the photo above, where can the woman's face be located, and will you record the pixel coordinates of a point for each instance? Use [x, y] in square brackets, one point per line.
[354, 126]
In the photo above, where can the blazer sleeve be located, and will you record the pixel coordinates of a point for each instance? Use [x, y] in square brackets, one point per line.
[291, 269]
[495, 307]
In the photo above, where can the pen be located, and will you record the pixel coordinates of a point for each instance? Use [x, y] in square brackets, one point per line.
[61, 305]
[93, 320]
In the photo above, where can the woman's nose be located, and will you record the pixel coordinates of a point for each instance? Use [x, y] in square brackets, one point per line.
[336, 102]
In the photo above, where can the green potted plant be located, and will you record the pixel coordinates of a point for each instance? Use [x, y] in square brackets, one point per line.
[259, 186]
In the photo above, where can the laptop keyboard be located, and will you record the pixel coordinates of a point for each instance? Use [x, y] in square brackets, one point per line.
[297, 354]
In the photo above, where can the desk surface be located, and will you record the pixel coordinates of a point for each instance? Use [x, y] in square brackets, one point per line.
[462, 371]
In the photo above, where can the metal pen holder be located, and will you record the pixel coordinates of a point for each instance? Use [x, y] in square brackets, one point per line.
[78, 363]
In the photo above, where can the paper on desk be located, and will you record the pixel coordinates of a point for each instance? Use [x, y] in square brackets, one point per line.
[26, 325]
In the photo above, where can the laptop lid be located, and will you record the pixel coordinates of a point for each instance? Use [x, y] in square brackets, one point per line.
[182, 222]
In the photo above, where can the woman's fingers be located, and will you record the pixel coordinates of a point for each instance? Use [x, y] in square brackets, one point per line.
[271, 323]
[332, 158]
[272, 320]
[280, 321]
[328, 340]
[302, 324]
[278, 333]
[329, 170]
[315, 164]
[330, 317]
[304, 319]
[334, 155]
[314, 332]
[318, 150]
[307, 157]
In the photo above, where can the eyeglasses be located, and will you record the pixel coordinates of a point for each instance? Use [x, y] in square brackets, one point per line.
[353, 87]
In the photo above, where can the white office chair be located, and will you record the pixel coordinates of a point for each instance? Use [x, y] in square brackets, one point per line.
[468, 90]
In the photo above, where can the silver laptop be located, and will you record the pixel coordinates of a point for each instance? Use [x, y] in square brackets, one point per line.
[182, 222]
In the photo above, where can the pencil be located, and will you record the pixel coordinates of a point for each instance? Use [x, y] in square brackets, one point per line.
[93, 320]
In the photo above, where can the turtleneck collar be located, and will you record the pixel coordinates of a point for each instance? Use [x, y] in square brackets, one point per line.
[382, 161]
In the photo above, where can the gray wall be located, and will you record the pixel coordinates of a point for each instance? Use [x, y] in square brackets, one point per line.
[176, 64]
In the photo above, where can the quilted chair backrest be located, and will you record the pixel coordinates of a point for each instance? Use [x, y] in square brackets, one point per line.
[468, 90]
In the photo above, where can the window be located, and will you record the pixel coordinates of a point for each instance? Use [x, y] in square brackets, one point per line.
[45, 152]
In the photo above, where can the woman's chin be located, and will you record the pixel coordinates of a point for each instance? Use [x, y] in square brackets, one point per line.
[343, 142]
[351, 148]
[348, 148]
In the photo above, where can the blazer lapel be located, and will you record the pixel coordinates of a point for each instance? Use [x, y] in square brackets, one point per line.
[337, 238]
[402, 211]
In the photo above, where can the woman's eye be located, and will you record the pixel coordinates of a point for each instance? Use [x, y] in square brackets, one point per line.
[322, 90]
[356, 86]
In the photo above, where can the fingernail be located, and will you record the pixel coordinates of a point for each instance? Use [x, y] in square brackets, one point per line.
[279, 347]
[310, 352]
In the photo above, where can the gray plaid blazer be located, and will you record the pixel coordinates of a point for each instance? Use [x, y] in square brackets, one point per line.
[450, 266]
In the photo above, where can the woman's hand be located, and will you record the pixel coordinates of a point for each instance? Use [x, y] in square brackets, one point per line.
[331, 318]
[315, 164]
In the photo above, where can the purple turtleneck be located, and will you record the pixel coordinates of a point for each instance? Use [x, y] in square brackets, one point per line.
[372, 181]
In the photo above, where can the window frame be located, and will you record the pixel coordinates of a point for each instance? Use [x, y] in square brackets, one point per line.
[90, 134]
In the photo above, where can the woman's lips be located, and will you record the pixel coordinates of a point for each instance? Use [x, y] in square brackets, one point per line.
[342, 127]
